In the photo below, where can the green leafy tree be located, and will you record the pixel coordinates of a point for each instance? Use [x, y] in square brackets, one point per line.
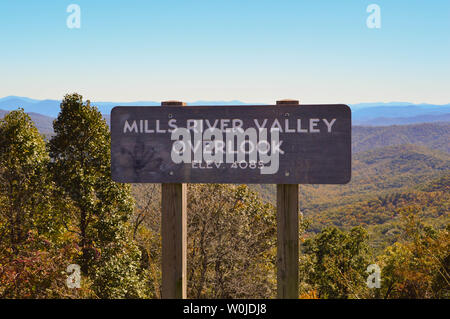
[334, 263]
[24, 189]
[99, 208]
[31, 266]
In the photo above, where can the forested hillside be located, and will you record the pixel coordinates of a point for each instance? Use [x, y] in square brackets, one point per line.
[431, 135]
[379, 171]
[432, 200]
[384, 180]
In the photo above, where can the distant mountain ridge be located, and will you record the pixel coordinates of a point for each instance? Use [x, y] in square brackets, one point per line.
[51, 107]
[386, 121]
[376, 112]
[369, 114]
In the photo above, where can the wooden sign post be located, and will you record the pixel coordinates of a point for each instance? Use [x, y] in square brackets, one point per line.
[282, 144]
[173, 235]
[287, 235]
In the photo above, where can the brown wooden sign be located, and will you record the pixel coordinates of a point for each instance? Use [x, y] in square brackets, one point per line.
[264, 144]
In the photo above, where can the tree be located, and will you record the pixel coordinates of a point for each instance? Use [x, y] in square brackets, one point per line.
[24, 189]
[99, 208]
[231, 243]
[334, 263]
[418, 265]
[31, 266]
[37, 270]
[146, 231]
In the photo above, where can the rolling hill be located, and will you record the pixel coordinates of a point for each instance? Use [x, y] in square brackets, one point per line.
[376, 172]
[431, 135]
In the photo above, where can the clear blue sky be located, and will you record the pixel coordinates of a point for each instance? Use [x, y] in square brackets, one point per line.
[251, 50]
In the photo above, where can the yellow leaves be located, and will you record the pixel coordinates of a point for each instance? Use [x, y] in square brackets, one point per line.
[312, 294]
[414, 268]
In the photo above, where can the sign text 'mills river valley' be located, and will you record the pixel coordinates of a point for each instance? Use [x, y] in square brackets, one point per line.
[276, 144]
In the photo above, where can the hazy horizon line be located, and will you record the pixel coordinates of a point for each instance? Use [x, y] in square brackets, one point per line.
[221, 100]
